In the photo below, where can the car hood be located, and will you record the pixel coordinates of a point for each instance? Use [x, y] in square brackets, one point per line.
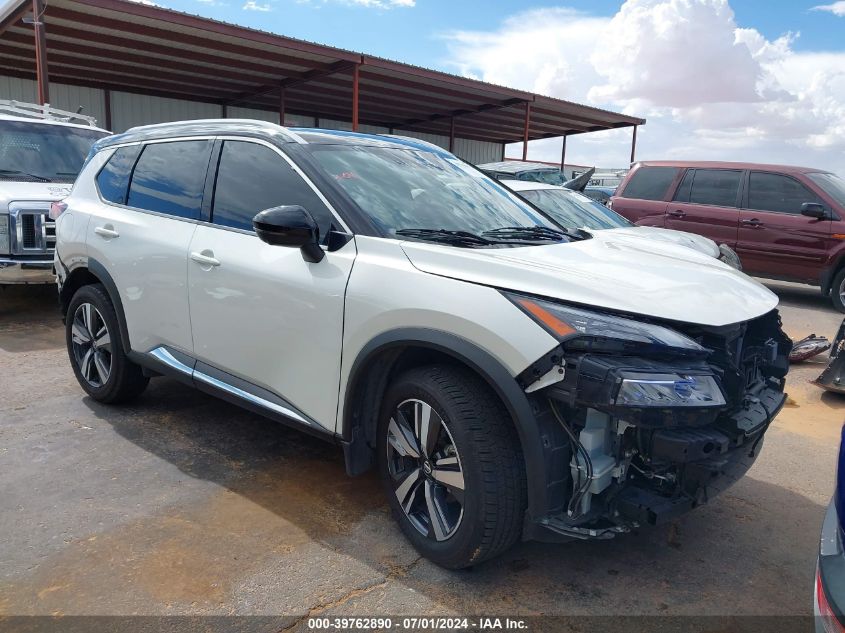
[645, 277]
[11, 191]
[690, 240]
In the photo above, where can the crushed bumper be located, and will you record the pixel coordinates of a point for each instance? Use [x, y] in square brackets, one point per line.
[17, 271]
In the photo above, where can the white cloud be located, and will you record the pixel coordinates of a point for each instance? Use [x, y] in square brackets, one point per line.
[837, 8]
[709, 89]
[252, 5]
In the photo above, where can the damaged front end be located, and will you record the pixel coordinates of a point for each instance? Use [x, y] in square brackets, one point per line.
[656, 418]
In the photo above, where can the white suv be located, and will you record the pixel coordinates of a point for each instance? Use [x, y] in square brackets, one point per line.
[42, 150]
[508, 377]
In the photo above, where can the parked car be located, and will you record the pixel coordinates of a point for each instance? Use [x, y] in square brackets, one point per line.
[829, 594]
[41, 151]
[784, 222]
[507, 377]
[573, 210]
[519, 170]
[599, 194]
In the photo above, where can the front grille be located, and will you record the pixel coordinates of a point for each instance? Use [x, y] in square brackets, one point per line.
[28, 231]
[31, 229]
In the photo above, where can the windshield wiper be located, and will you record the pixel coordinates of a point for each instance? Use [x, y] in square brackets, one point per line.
[456, 238]
[531, 234]
[17, 172]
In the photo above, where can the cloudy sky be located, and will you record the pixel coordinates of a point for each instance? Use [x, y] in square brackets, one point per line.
[759, 80]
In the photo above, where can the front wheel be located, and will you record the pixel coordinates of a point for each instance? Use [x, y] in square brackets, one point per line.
[93, 342]
[837, 291]
[451, 465]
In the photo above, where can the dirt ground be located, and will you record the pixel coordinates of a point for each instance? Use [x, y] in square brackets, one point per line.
[183, 504]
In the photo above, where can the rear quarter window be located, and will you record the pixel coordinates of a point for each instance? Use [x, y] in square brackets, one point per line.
[113, 179]
[650, 183]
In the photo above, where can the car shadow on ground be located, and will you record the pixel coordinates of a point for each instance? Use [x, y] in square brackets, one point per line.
[689, 566]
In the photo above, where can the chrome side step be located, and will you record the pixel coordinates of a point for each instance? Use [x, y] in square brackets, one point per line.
[164, 356]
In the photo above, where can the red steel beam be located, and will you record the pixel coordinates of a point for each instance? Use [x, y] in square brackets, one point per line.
[634, 145]
[42, 77]
[527, 127]
[282, 95]
[452, 134]
[563, 154]
[356, 72]
[292, 80]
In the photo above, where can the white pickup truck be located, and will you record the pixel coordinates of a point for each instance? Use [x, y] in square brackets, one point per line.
[42, 150]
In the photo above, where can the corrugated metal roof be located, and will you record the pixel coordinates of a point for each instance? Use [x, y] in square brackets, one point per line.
[132, 47]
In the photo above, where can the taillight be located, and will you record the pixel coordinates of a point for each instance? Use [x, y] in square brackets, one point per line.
[56, 209]
[830, 623]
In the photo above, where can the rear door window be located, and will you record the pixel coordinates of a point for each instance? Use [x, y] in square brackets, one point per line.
[113, 179]
[251, 178]
[169, 178]
[775, 192]
[718, 187]
[650, 183]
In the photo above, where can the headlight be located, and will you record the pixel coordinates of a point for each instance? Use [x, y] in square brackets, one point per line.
[729, 256]
[584, 330]
[668, 390]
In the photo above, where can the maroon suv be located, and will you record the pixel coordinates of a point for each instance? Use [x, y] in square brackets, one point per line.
[784, 222]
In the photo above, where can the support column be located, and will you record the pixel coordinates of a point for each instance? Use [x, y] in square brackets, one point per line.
[525, 133]
[563, 154]
[452, 134]
[282, 105]
[355, 73]
[107, 107]
[42, 77]
[634, 144]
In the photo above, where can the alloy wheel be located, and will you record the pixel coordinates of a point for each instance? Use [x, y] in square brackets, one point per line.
[842, 292]
[425, 469]
[91, 342]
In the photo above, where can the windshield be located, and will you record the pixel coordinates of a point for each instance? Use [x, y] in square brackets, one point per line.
[546, 176]
[37, 152]
[832, 185]
[402, 189]
[574, 210]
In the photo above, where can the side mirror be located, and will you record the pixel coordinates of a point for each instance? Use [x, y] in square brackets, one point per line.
[290, 226]
[813, 210]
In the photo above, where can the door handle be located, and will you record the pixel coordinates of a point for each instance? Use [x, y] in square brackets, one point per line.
[205, 258]
[677, 214]
[106, 231]
[753, 223]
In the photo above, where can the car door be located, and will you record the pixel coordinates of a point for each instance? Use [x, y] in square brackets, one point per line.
[706, 203]
[775, 240]
[262, 317]
[152, 198]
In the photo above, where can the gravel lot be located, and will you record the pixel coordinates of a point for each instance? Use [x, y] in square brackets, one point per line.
[183, 504]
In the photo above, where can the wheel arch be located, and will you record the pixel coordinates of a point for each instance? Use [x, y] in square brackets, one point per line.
[392, 352]
[94, 272]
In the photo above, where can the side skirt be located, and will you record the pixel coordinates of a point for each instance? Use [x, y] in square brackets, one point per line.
[194, 373]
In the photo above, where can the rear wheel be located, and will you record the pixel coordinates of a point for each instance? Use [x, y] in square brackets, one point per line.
[93, 341]
[451, 466]
[837, 291]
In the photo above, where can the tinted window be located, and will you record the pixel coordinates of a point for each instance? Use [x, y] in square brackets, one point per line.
[715, 186]
[113, 178]
[36, 152]
[252, 178]
[773, 192]
[169, 178]
[832, 185]
[650, 183]
[682, 194]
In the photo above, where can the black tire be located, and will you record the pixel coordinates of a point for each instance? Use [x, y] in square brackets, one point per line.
[124, 379]
[837, 288]
[487, 449]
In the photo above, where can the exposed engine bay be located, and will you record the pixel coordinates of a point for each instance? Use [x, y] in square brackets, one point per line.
[653, 430]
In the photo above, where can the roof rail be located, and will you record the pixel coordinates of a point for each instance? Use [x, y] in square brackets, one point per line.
[34, 111]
